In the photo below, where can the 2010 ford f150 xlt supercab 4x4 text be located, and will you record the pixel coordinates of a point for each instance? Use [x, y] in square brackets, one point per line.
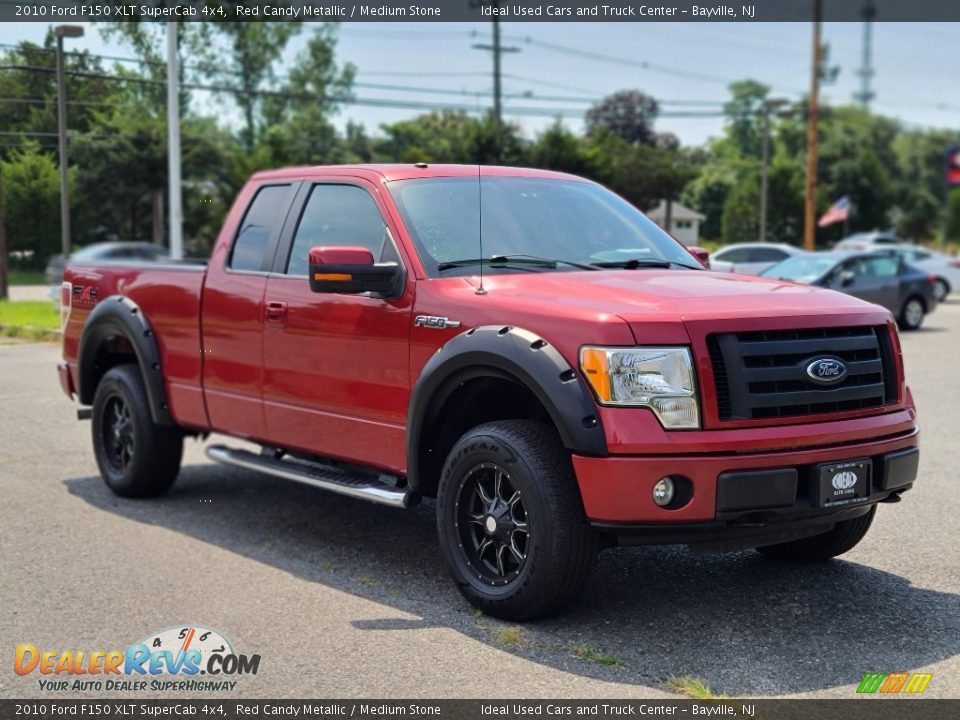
[524, 346]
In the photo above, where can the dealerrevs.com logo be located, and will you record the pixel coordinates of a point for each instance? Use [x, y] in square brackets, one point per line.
[188, 658]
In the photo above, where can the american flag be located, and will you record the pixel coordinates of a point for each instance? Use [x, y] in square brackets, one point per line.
[838, 212]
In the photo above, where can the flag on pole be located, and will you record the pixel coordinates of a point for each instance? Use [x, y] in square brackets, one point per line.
[838, 212]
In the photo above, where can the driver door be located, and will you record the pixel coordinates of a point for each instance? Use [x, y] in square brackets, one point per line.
[336, 366]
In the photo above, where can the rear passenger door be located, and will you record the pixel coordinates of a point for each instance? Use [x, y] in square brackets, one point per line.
[336, 366]
[233, 312]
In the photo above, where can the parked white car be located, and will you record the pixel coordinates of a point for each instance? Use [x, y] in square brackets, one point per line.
[751, 258]
[944, 268]
[867, 241]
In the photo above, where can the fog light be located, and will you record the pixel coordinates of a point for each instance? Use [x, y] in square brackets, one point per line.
[663, 491]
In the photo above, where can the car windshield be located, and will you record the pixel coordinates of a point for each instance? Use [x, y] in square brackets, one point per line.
[522, 220]
[801, 268]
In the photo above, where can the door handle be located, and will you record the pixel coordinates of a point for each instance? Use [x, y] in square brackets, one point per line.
[277, 312]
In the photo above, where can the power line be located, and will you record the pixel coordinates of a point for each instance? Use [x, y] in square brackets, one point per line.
[346, 100]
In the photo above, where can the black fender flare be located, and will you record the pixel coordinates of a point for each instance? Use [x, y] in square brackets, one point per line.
[515, 354]
[120, 316]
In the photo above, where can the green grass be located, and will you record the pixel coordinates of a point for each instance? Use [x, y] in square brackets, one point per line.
[692, 687]
[507, 636]
[586, 651]
[26, 277]
[32, 319]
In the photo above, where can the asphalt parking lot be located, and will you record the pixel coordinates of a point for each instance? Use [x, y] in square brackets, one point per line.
[346, 599]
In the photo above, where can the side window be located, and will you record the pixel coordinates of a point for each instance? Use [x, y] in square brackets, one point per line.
[265, 212]
[738, 255]
[337, 215]
[770, 255]
[882, 267]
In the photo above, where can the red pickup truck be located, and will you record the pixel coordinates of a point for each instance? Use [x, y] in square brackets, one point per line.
[523, 346]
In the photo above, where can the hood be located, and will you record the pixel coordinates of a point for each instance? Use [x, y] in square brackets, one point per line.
[647, 295]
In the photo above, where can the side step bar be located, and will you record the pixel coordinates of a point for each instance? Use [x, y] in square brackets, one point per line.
[326, 477]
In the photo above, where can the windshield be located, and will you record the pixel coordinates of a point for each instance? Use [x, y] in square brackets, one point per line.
[565, 221]
[801, 268]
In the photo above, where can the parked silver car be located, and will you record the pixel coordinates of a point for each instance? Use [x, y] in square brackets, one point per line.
[97, 252]
[752, 258]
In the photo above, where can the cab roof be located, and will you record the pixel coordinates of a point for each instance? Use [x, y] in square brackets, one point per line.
[407, 171]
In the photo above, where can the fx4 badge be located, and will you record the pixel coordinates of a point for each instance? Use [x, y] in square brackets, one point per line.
[437, 323]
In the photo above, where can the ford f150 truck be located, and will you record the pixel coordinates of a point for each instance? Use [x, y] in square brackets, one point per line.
[523, 346]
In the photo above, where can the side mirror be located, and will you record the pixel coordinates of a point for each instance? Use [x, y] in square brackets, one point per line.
[847, 277]
[350, 270]
[701, 254]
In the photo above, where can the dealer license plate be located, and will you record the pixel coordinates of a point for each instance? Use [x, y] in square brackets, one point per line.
[844, 483]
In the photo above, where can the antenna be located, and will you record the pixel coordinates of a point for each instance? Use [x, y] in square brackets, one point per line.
[480, 290]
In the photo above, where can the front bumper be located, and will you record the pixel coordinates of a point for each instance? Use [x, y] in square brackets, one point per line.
[738, 499]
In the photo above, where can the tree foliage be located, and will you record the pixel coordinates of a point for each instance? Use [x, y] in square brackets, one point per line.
[628, 114]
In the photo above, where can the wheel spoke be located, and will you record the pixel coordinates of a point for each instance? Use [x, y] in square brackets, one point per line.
[482, 548]
[500, 567]
[486, 499]
[498, 485]
[515, 551]
[476, 519]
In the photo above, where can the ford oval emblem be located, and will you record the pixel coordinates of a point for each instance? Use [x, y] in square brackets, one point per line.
[827, 371]
[844, 480]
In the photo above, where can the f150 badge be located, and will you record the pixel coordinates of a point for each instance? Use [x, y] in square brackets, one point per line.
[437, 323]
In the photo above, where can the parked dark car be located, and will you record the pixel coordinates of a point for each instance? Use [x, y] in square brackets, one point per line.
[125, 251]
[880, 277]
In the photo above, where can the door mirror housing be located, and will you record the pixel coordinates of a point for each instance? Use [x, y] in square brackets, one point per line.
[846, 278]
[350, 270]
[701, 254]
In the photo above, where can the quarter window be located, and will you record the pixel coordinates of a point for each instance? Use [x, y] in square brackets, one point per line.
[262, 217]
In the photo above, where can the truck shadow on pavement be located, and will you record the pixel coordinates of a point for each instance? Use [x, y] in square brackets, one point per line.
[744, 624]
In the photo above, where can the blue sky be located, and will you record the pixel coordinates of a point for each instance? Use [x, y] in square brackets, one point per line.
[687, 64]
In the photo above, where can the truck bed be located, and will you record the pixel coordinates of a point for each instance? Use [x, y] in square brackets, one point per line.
[171, 290]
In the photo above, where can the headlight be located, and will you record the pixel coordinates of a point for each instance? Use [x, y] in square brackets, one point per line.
[660, 378]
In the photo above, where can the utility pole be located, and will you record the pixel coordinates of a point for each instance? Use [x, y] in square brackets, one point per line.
[497, 49]
[768, 106]
[175, 190]
[62, 31]
[813, 111]
[865, 72]
[3, 243]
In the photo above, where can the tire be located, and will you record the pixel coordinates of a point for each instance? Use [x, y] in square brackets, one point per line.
[517, 473]
[911, 314]
[819, 548]
[940, 289]
[137, 458]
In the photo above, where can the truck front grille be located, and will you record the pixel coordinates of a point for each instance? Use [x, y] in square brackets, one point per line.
[762, 375]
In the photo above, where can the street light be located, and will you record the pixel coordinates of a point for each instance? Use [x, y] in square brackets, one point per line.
[62, 31]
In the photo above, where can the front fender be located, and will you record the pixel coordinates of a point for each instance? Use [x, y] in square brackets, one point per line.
[515, 354]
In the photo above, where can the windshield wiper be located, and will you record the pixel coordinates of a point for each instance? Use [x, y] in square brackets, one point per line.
[634, 263]
[514, 259]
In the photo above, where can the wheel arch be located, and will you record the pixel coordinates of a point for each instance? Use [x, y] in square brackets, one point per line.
[532, 371]
[116, 332]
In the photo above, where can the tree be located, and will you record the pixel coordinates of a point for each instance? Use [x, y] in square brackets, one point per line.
[252, 51]
[31, 198]
[643, 174]
[744, 113]
[449, 136]
[628, 114]
[557, 148]
[296, 121]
